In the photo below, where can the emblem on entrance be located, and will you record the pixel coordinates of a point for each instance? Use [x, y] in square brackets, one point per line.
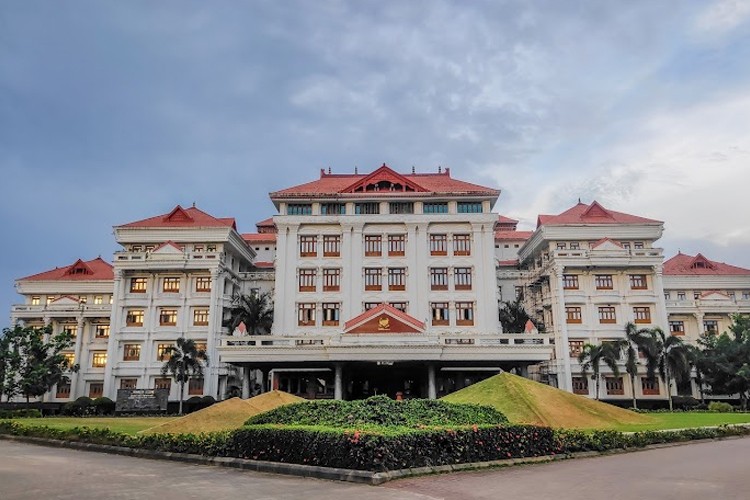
[384, 323]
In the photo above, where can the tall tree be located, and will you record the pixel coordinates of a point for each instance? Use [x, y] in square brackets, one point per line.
[667, 357]
[513, 317]
[255, 310]
[633, 343]
[726, 360]
[10, 362]
[592, 356]
[696, 360]
[184, 361]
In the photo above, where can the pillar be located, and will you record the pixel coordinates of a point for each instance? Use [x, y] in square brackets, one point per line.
[264, 380]
[431, 386]
[245, 371]
[338, 389]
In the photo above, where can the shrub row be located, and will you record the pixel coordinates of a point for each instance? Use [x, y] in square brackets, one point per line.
[23, 413]
[85, 406]
[377, 451]
[381, 411]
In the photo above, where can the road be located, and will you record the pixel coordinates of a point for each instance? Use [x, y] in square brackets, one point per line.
[716, 470]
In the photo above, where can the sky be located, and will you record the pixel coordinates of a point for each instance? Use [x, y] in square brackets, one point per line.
[113, 111]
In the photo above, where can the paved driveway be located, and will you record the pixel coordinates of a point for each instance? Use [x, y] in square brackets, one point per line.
[715, 471]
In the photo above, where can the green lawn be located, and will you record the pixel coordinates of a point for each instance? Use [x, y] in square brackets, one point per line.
[128, 425]
[681, 420]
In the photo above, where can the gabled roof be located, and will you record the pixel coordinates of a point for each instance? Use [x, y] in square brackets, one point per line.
[259, 237]
[608, 241]
[501, 219]
[349, 184]
[513, 235]
[170, 244]
[184, 217]
[92, 270]
[381, 310]
[595, 213]
[266, 226]
[687, 265]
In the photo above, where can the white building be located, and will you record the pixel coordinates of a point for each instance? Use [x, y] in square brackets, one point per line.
[382, 283]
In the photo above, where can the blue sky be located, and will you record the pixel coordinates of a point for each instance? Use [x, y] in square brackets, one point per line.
[115, 111]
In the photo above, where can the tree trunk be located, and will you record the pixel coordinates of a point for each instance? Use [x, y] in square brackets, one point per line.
[632, 388]
[597, 387]
[669, 391]
[182, 395]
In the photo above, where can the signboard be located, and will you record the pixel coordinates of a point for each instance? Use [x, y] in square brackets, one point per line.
[141, 401]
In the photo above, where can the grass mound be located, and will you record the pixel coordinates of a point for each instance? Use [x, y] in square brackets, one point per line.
[380, 411]
[226, 415]
[528, 402]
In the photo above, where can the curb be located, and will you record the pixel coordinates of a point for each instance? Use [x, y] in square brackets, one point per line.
[335, 474]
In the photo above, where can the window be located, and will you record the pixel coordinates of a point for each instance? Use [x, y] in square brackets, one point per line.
[401, 306]
[331, 280]
[396, 278]
[462, 278]
[469, 207]
[333, 209]
[299, 209]
[163, 383]
[83, 299]
[307, 278]
[711, 326]
[435, 208]
[198, 248]
[746, 295]
[111, 298]
[518, 292]
[573, 314]
[615, 386]
[396, 245]
[696, 295]
[680, 295]
[575, 245]
[667, 295]
[128, 383]
[136, 248]
[638, 245]
[373, 245]
[575, 347]
[200, 317]
[162, 351]
[642, 314]
[210, 248]
[373, 278]
[570, 281]
[203, 284]
[607, 315]
[438, 244]
[98, 359]
[70, 329]
[331, 314]
[98, 300]
[306, 314]
[580, 385]
[308, 246]
[101, 331]
[70, 358]
[331, 246]
[63, 388]
[626, 245]
[461, 244]
[171, 285]
[168, 317]
[367, 208]
[370, 305]
[677, 327]
[603, 282]
[50, 299]
[96, 389]
[36, 300]
[638, 282]
[401, 207]
[134, 317]
[649, 387]
[195, 386]
[561, 245]
[438, 278]
[464, 313]
[131, 352]
[439, 313]
[137, 285]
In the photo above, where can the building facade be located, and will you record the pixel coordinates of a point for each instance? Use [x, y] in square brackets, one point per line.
[382, 283]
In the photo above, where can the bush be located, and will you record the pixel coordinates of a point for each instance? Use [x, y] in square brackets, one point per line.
[81, 407]
[23, 413]
[720, 407]
[104, 406]
[380, 411]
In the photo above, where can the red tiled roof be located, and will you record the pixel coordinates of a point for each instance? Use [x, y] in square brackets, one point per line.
[184, 217]
[513, 235]
[501, 219]
[168, 243]
[385, 308]
[92, 270]
[604, 240]
[259, 237]
[507, 263]
[591, 214]
[687, 265]
[263, 265]
[334, 184]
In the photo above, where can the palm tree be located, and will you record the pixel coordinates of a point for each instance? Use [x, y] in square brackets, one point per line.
[696, 360]
[513, 317]
[634, 341]
[591, 357]
[184, 361]
[667, 356]
[255, 310]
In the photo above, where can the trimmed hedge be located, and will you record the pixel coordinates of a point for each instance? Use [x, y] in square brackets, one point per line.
[380, 411]
[24, 413]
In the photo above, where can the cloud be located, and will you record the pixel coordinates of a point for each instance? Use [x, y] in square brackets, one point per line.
[723, 16]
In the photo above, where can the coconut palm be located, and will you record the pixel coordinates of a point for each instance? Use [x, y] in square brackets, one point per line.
[592, 356]
[634, 341]
[184, 361]
[667, 357]
[255, 310]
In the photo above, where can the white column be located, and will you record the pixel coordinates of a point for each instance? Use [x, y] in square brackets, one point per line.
[245, 373]
[74, 377]
[662, 317]
[115, 323]
[562, 347]
[431, 386]
[215, 313]
[338, 385]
